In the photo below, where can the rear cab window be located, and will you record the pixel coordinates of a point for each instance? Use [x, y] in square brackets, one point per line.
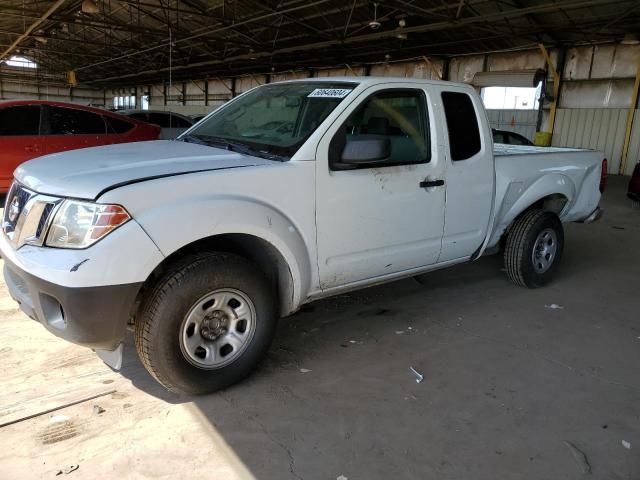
[462, 125]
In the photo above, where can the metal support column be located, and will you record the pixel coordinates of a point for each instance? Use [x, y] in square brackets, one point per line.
[630, 115]
[556, 89]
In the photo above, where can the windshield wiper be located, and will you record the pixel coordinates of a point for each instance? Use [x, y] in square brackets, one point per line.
[193, 139]
[234, 146]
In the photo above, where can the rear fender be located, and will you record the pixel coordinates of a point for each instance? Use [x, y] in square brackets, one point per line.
[519, 197]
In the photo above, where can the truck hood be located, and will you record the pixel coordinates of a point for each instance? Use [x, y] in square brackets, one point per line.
[88, 172]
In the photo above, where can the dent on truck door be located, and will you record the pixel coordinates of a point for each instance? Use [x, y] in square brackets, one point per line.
[376, 218]
[470, 176]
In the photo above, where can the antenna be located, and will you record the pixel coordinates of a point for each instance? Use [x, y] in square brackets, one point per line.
[170, 60]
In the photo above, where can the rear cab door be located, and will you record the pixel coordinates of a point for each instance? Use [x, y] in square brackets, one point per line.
[380, 219]
[470, 171]
[20, 139]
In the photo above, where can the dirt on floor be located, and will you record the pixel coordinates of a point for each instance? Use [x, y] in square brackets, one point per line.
[517, 384]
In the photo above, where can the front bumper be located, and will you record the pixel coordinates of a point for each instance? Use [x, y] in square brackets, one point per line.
[94, 317]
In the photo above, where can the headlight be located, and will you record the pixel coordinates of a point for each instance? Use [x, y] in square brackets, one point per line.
[80, 224]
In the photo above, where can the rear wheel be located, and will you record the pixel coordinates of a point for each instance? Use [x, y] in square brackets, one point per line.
[534, 248]
[635, 204]
[206, 323]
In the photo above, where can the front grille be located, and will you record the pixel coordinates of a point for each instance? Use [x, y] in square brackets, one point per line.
[44, 219]
[16, 200]
[27, 216]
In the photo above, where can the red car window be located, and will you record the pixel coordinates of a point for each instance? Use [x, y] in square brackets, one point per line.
[20, 120]
[116, 125]
[68, 121]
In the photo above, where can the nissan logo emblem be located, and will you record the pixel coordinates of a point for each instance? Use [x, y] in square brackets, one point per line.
[14, 209]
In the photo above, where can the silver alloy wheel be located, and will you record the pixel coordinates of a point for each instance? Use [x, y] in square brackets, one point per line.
[218, 328]
[544, 250]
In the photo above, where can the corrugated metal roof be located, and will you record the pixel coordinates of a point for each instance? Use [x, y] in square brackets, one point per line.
[128, 41]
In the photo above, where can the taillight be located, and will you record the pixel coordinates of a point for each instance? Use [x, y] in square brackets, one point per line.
[603, 175]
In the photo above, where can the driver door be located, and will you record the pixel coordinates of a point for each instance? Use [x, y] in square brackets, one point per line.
[387, 216]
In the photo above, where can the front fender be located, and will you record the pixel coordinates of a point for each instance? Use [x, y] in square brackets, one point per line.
[173, 226]
[518, 196]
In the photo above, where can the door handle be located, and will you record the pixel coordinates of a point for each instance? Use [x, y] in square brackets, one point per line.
[431, 183]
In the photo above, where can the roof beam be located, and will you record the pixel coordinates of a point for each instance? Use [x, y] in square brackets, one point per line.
[33, 26]
[374, 36]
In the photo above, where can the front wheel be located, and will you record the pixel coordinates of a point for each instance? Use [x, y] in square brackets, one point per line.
[534, 248]
[206, 323]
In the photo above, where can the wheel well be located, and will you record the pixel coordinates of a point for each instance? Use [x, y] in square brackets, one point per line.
[555, 203]
[262, 253]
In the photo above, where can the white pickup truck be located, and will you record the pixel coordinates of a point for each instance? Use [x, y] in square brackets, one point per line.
[291, 192]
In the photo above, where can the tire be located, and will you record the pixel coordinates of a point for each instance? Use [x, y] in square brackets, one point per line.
[180, 332]
[534, 248]
[635, 204]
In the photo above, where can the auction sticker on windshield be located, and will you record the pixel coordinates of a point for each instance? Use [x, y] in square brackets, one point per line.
[329, 93]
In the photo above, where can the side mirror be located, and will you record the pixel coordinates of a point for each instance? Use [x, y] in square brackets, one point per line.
[364, 149]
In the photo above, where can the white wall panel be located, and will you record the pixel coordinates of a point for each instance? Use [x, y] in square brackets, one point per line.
[281, 77]
[244, 84]
[634, 146]
[519, 121]
[220, 86]
[577, 64]
[340, 72]
[418, 69]
[462, 69]
[599, 129]
[527, 60]
[596, 94]
[615, 61]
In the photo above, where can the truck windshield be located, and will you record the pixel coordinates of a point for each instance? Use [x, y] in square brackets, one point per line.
[272, 121]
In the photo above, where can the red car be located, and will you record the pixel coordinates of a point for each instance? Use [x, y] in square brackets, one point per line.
[32, 128]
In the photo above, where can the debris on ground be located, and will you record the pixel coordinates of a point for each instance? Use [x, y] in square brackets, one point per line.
[419, 376]
[554, 306]
[342, 477]
[304, 370]
[97, 409]
[580, 457]
[626, 444]
[68, 470]
[399, 332]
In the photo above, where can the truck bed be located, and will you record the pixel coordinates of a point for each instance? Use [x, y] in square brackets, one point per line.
[523, 172]
[504, 150]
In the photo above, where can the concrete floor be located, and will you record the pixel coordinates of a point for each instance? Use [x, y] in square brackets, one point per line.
[512, 388]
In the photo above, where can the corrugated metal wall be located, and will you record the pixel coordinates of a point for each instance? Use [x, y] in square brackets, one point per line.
[519, 121]
[599, 129]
